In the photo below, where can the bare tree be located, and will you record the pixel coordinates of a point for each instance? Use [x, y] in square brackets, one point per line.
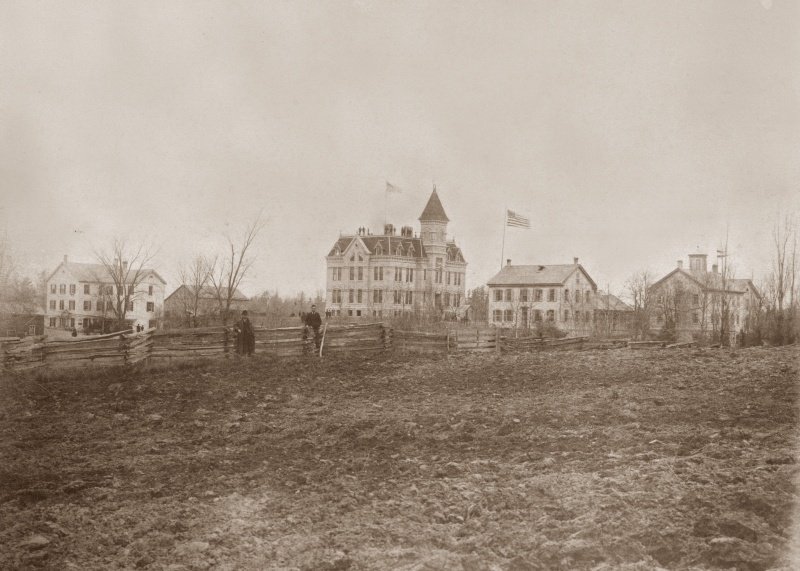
[230, 269]
[195, 276]
[8, 266]
[125, 265]
[782, 282]
[639, 290]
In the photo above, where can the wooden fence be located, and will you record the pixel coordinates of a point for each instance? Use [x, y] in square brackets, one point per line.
[127, 348]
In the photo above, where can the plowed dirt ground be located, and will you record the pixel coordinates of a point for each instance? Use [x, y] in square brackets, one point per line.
[621, 459]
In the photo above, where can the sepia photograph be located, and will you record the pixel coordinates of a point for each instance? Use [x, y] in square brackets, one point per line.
[403, 285]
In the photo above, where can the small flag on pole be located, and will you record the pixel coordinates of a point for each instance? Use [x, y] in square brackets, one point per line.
[392, 188]
[517, 220]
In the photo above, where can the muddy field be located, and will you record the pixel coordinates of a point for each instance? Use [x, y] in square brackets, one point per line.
[674, 459]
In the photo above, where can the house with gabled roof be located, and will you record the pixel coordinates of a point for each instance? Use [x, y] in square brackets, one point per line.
[395, 273]
[194, 307]
[697, 304]
[537, 296]
[80, 296]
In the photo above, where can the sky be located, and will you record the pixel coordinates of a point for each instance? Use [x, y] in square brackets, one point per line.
[631, 133]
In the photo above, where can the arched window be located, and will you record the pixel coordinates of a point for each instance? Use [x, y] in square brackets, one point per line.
[411, 251]
[379, 249]
[399, 251]
[449, 255]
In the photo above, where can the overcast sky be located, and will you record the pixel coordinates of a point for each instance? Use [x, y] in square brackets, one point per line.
[631, 133]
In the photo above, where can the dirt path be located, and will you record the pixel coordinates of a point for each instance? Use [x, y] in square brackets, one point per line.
[578, 460]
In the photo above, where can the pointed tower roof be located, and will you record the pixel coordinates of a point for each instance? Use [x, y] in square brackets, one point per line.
[434, 211]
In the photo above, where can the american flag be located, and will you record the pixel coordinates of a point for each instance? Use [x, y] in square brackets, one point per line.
[517, 220]
[392, 188]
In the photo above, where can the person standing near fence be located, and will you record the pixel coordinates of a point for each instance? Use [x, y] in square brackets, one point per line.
[314, 321]
[245, 336]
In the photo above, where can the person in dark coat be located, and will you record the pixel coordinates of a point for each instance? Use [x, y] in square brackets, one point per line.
[314, 321]
[245, 337]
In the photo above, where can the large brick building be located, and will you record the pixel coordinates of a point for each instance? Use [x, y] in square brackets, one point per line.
[396, 274]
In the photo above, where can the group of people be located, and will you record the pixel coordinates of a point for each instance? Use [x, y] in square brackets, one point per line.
[246, 338]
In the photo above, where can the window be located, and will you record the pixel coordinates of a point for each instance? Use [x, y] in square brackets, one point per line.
[438, 275]
[72, 289]
[498, 295]
[87, 305]
[448, 277]
[377, 296]
[424, 275]
[350, 312]
[411, 251]
[398, 274]
[150, 290]
[110, 290]
[409, 297]
[696, 299]
[62, 288]
[537, 295]
[360, 295]
[52, 288]
[337, 296]
[52, 320]
[101, 306]
[336, 274]
[588, 292]
[397, 298]
[352, 273]
[509, 315]
[130, 306]
[358, 313]
[566, 295]
[60, 304]
[551, 296]
[509, 295]
[399, 250]
[410, 275]
[523, 294]
[72, 305]
[537, 315]
[379, 250]
[497, 315]
[566, 315]
[150, 306]
[360, 273]
[695, 317]
[578, 295]
[378, 273]
[52, 304]
[351, 296]
[447, 299]
[551, 315]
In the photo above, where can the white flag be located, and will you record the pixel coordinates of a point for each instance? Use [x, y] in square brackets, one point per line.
[517, 220]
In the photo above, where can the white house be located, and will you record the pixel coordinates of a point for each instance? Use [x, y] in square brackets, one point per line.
[539, 296]
[81, 296]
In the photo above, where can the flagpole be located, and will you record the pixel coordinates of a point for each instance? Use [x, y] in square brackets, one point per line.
[503, 249]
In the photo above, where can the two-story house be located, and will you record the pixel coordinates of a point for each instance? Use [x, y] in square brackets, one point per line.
[82, 296]
[394, 274]
[697, 304]
[540, 296]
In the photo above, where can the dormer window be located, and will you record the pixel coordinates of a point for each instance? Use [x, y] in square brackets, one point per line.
[379, 250]
[411, 251]
[337, 251]
[399, 251]
[449, 255]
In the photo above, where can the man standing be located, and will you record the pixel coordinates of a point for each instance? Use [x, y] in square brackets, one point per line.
[314, 321]
[245, 337]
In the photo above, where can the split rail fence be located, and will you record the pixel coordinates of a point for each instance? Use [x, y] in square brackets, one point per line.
[127, 348]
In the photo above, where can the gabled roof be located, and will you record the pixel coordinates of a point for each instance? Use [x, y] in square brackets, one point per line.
[95, 273]
[712, 281]
[388, 245]
[20, 308]
[451, 245]
[610, 302]
[434, 211]
[555, 274]
[208, 292]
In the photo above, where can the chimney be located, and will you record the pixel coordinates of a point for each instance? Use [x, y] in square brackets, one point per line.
[680, 264]
[575, 261]
[508, 262]
[66, 258]
[714, 268]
